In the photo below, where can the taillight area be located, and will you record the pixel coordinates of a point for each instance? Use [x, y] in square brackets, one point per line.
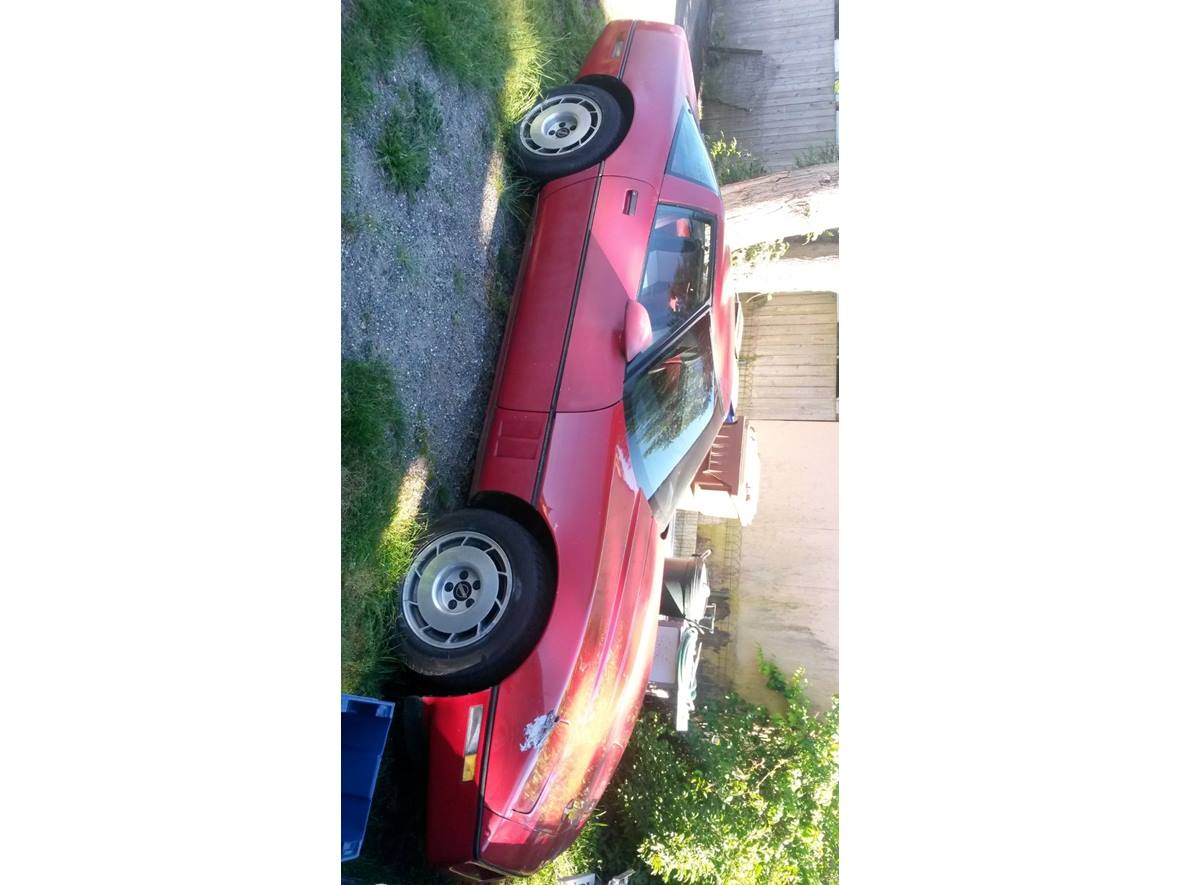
[457, 732]
[471, 745]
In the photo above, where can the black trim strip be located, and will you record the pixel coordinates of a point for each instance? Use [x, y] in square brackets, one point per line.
[646, 361]
[483, 768]
[569, 331]
[627, 51]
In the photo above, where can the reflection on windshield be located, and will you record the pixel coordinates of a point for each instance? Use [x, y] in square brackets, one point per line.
[668, 405]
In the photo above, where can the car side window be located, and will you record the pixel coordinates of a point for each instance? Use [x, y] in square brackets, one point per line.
[690, 155]
[676, 273]
[668, 406]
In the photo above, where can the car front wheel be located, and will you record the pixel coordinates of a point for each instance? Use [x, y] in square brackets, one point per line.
[474, 602]
[570, 129]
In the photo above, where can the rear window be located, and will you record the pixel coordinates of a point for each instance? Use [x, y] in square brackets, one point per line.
[676, 273]
[668, 406]
[690, 156]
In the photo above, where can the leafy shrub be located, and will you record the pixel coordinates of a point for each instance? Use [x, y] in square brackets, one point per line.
[731, 163]
[745, 796]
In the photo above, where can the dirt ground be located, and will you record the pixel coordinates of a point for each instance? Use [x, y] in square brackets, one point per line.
[415, 270]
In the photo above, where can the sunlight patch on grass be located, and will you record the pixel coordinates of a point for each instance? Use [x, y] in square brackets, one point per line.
[493, 186]
[413, 489]
[526, 74]
[382, 490]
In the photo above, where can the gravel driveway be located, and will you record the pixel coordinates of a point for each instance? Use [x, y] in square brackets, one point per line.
[415, 271]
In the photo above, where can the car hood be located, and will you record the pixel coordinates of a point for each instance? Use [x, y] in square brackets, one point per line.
[564, 717]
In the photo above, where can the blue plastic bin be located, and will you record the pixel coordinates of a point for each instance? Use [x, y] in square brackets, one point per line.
[364, 727]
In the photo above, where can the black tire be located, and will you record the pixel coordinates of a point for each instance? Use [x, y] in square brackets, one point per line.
[526, 602]
[603, 141]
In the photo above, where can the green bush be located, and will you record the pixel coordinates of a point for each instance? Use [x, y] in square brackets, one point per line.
[745, 796]
[731, 163]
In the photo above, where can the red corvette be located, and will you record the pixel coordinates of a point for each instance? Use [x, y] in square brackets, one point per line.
[531, 615]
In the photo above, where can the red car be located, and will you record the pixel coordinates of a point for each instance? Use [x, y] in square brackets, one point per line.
[531, 615]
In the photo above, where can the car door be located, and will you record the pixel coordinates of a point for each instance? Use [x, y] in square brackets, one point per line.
[672, 411]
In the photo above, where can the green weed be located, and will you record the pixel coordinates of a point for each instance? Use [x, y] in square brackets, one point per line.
[408, 136]
[731, 163]
[814, 156]
[404, 259]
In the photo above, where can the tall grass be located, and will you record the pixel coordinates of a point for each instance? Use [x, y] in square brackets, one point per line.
[372, 35]
[376, 544]
[514, 49]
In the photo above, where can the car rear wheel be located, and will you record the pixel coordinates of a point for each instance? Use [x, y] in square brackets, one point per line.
[474, 602]
[570, 129]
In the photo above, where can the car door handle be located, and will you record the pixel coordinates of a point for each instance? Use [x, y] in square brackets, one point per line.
[630, 202]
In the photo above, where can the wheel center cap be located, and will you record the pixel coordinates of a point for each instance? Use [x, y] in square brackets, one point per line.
[462, 590]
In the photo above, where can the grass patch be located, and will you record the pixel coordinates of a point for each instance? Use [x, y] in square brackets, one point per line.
[512, 48]
[408, 136]
[469, 38]
[352, 224]
[372, 432]
[371, 37]
[377, 536]
[404, 259]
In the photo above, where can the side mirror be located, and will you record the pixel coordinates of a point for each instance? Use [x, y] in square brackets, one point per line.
[636, 330]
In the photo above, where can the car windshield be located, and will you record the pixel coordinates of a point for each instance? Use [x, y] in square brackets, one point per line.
[676, 273]
[668, 406]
